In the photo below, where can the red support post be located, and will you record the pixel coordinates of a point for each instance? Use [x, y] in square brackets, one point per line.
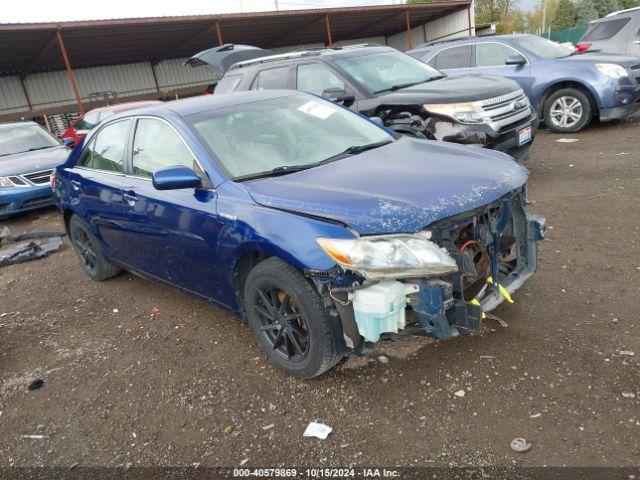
[408, 18]
[72, 78]
[219, 33]
[328, 24]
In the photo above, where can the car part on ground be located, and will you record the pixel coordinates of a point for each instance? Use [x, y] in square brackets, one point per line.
[322, 229]
[17, 250]
[606, 86]
[380, 82]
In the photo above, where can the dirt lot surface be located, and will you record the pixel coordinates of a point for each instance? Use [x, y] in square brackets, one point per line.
[136, 373]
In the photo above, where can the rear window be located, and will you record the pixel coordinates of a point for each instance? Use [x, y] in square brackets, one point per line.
[456, 57]
[272, 78]
[605, 30]
[228, 84]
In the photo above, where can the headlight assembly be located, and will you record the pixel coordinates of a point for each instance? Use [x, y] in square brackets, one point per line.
[463, 112]
[5, 182]
[612, 70]
[389, 256]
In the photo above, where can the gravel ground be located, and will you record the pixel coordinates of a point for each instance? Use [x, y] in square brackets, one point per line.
[138, 374]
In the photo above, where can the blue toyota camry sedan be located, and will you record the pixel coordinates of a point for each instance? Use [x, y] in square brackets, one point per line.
[323, 230]
[28, 154]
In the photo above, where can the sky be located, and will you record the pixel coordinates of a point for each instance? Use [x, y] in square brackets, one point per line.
[55, 11]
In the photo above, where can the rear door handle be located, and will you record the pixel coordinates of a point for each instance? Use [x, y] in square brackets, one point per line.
[75, 184]
[130, 197]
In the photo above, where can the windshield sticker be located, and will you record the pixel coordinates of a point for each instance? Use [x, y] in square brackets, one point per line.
[317, 110]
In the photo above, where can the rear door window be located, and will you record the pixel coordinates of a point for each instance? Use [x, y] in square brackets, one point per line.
[315, 78]
[271, 79]
[106, 151]
[228, 84]
[604, 30]
[456, 57]
[493, 54]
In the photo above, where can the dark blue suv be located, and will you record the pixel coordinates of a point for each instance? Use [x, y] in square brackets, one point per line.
[567, 89]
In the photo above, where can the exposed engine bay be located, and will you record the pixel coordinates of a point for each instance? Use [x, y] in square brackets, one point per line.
[494, 248]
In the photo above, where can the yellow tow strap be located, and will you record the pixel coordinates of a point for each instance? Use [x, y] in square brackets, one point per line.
[502, 290]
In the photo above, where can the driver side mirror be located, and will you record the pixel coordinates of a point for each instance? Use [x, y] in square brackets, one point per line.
[515, 60]
[338, 95]
[175, 178]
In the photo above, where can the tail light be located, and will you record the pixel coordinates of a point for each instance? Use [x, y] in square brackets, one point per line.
[583, 47]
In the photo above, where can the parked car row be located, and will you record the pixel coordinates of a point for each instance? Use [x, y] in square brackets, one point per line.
[336, 197]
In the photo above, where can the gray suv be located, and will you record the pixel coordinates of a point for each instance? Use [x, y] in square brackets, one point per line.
[618, 32]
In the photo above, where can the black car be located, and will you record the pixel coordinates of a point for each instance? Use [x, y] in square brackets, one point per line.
[406, 95]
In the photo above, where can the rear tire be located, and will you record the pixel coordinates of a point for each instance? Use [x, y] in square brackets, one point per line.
[288, 320]
[89, 252]
[567, 110]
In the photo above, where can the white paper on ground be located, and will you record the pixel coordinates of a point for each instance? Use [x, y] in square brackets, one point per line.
[319, 430]
[567, 140]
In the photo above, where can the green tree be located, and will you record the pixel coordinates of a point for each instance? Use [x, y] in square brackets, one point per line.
[629, 3]
[604, 7]
[586, 12]
[566, 15]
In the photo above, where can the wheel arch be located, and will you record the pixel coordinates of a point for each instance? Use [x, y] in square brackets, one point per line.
[568, 84]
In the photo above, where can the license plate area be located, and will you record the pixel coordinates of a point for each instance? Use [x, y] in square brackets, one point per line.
[524, 135]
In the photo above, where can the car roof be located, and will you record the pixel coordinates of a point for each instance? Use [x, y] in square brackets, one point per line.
[17, 124]
[122, 107]
[469, 39]
[320, 53]
[202, 103]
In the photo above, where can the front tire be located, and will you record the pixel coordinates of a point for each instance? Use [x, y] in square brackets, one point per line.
[288, 320]
[89, 252]
[567, 110]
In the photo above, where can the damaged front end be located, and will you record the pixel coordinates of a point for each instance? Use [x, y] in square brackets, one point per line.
[439, 282]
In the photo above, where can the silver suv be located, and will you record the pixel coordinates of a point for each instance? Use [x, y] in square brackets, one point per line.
[618, 32]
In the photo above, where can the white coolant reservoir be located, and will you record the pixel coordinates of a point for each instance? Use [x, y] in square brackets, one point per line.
[380, 308]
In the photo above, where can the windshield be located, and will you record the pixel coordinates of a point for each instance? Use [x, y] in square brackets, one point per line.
[542, 47]
[282, 133]
[388, 71]
[25, 138]
[90, 120]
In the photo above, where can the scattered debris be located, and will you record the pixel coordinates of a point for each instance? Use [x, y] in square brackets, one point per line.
[520, 445]
[318, 430]
[36, 384]
[228, 429]
[243, 461]
[487, 357]
[535, 415]
[567, 140]
[115, 310]
[459, 393]
[628, 395]
[621, 154]
[26, 246]
[35, 437]
[268, 427]
[627, 353]
[502, 323]
[383, 359]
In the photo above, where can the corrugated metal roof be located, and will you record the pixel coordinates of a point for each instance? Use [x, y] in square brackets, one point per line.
[26, 48]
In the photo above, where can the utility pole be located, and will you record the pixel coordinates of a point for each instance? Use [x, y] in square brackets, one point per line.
[277, 7]
[544, 15]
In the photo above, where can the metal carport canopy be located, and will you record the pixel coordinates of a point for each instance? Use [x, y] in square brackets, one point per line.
[36, 47]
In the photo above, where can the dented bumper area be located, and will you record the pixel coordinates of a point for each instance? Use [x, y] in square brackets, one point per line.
[495, 250]
[507, 139]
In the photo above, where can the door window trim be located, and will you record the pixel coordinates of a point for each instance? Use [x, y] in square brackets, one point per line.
[129, 159]
[279, 67]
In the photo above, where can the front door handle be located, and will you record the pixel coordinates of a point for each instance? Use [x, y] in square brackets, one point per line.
[75, 184]
[130, 197]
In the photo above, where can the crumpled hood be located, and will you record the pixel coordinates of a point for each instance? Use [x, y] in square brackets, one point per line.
[35, 161]
[464, 88]
[398, 188]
